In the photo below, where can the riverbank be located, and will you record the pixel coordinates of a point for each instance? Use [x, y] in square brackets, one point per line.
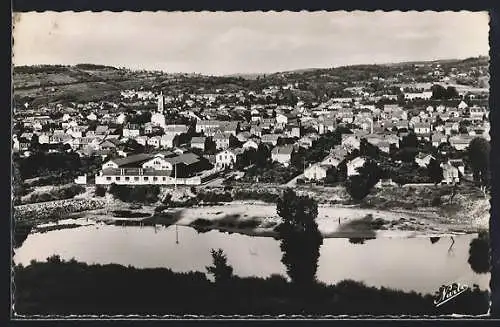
[257, 218]
[76, 288]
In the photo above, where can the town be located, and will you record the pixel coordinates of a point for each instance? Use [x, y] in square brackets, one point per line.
[389, 127]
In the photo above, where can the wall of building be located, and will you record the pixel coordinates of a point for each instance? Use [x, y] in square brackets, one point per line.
[145, 180]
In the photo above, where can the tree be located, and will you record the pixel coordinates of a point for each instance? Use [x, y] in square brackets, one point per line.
[479, 253]
[359, 186]
[300, 237]
[409, 141]
[17, 183]
[435, 172]
[221, 271]
[479, 158]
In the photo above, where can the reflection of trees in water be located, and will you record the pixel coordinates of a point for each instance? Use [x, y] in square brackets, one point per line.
[21, 232]
[435, 239]
[360, 240]
[479, 253]
[450, 249]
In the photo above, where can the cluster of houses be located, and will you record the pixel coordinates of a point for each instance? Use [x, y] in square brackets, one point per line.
[383, 127]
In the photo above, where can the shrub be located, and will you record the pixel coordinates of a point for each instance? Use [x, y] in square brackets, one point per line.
[436, 201]
[100, 190]
[214, 197]
[139, 193]
[255, 195]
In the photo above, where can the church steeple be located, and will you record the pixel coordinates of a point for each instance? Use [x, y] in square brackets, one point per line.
[161, 102]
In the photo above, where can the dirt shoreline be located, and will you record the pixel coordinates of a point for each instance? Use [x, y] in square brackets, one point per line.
[334, 220]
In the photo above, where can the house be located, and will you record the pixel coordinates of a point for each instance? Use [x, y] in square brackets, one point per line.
[167, 141]
[148, 128]
[336, 156]
[459, 164]
[221, 140]
[385, 182]
[460, 142]
[250, 144]
[423, 159]
[462, 105]
[60, 138]
[148, 169]
[292, 131]
[158, 119]
[384, 146]
[131, 131]
[450, 127]
[174, 130]
[256, 130]
[243, 136]
[225, 159]
[476, 113]
[326, 125]
[270, 138]
[450, 174]
[198, 142]
[107, 145]
[306, 142]
[438, 138]
[154, 141]
[282, 154]
[44, 138]
[350, 142]
[354, 164]
[281, 120]
[16, 147]
[421, 128]
[142, 140]
[121, 118]
[101, 130]
[316, 171]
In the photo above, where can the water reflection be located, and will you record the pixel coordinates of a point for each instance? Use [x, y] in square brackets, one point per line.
[406, 264]
[479, 253]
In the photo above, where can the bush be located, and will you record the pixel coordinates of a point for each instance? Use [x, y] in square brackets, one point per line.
[61, 193]
[139, 193]
[255, 195]
[436, 201]
[100, 190]
[214, 197]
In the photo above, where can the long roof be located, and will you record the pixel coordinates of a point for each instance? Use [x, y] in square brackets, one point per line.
[136, 158]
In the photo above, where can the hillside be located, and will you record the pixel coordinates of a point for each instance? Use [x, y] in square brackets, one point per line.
[86, 82]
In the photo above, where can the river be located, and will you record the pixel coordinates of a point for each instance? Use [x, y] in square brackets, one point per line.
[410, 264]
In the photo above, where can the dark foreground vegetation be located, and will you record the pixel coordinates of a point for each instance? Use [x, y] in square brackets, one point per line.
[58, 287]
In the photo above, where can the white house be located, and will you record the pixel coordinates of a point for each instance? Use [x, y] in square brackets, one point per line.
[250, 144]
[121, 118]
[142, 140]
[282, 154]
[225, 159]
[423, 159]
[316, 171]
[450, 174]
[221, 140]
[167, 141]
[198, 142]
[158, 119]
[354, 164]
[281, 119]
[154, 141]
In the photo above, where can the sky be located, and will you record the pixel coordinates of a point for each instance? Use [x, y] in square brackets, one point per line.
[220, 43]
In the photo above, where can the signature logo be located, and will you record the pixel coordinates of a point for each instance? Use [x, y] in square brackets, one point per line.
[448, 292]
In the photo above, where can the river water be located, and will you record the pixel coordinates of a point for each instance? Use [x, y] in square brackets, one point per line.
[410, 264]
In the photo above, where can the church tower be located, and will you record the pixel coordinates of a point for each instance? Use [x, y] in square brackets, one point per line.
[161, 103]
